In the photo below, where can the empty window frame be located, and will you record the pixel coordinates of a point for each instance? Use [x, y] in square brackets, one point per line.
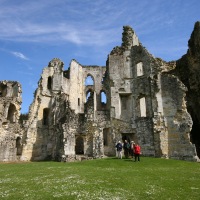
[142, 107]
[11, 113]
[139, 67]
[103, 97]
[46, 116]
[124, 102]
[78, 101]
[106, 134]
[49, 82]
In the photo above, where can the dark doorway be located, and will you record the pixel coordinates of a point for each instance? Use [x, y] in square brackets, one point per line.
[128, 136]
[79, 149]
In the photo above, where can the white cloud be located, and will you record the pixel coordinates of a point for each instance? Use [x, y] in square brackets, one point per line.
[87, 23]
[81, 23]
[19, 55]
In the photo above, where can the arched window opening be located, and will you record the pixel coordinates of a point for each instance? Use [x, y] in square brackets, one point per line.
[89, 80]
[3, 90]
[12, 113]
[49, 82]
[103, 97]
[79, 148]
[46, 116]
[140, 69]
[142, 107]
[19, 146]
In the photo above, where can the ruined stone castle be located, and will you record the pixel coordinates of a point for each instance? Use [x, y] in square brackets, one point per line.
[135, 97]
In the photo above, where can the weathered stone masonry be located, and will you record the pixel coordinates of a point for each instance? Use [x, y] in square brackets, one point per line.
[10, 131]
[148, 100]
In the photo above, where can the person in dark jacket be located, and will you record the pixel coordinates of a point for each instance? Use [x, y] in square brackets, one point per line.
[119, 150]
[126, 148]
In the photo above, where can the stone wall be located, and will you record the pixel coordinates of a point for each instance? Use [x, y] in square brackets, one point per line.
[188, 71]
[149, 101]
[10, 129]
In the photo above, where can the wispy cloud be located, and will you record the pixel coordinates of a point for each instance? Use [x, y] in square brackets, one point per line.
[19, 55]
[81, 23]
[87, 23]
[15, 53]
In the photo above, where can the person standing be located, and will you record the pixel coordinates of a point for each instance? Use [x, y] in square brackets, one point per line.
[126, 149]
[137, 152]
[131, 149]
[119, 150]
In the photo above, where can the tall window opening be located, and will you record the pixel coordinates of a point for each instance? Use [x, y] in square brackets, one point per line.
[46, 116]
[49, 82]
[19, 146]
[103, 97]
[12, 113]
[89, 84]
[105, 136]
[123, 102]
[3, 90]
[142, 107]
[78, 101]
[140, 69]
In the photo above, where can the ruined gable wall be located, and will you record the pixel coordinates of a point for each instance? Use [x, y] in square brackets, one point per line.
[143, 88]
[120, 74]
[10, 130]
[177, 119]
[157, 133]
[57, 139]
[76, 87]
[120, 77]
[65, 129]
[188, 70]
[40, 132]
[115, 70]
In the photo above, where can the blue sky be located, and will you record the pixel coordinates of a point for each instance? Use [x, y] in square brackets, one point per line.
[34, 32]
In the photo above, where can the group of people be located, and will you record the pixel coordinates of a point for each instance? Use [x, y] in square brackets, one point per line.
[130, 149]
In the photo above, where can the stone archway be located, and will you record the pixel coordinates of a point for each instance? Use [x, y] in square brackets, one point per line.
[79, 148]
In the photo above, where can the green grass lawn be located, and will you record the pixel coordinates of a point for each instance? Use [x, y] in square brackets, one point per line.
[101, 179]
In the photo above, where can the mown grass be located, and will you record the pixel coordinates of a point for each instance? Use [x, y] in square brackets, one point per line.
[102, 179]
